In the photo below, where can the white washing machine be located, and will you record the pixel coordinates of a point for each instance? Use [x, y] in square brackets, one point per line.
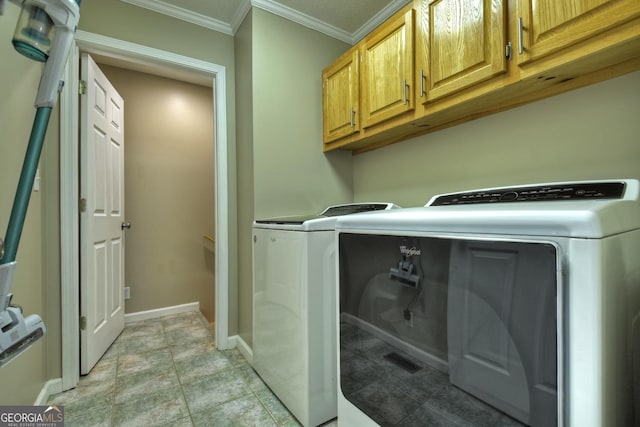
[506, 306]
[294, 327]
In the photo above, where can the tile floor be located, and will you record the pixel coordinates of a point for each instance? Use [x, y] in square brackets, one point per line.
[167, 372]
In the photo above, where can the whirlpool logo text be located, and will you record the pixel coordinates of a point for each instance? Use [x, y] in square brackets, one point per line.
[410, 251]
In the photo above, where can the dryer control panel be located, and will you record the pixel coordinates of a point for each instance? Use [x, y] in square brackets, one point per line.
[537, 193]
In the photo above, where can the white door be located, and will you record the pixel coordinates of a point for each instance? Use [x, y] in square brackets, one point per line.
[102, 216]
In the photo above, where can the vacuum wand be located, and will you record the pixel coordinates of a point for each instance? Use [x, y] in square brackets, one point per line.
[23, 193]
[44, 33]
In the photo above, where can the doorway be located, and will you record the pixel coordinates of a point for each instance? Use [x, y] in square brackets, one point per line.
[169, 189]
[173, 64]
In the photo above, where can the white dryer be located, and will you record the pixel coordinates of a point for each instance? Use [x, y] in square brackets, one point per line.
[294, 311]
[505, 306]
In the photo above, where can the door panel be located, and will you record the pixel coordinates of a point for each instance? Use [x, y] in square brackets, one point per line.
[473, 29]
[387, 71]
[341, 97]
[553, 25]
[102, 187]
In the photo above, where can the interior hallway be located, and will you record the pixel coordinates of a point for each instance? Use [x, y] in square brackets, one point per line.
[167, 372]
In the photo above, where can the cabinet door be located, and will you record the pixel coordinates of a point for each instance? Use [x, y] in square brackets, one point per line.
[387, 70]
[547, 26]
[340, 97]
[459, 43]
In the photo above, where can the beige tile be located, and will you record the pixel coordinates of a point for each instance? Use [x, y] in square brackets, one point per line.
[157, 407]
[201, 365]
[137, 362]
[136, 385]
[167, 372]
[246, 411]
[210, 392]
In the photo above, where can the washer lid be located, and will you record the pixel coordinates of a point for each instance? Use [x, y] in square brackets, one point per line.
[352, 208]
[288, 220]
[323, 221]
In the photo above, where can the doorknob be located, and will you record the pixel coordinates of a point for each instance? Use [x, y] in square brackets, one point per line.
[126, 225]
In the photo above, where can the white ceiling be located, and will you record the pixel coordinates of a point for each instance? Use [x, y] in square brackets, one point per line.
[346, 20]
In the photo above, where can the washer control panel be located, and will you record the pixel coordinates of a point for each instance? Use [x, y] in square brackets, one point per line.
[537, 193]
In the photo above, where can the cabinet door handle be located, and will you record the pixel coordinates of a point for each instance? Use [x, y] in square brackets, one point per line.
[404, 92]
[422, 78]
[520, 42]
[352, 117]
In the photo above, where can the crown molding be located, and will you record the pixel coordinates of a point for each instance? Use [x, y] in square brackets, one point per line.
[183, 14]
[277, 9]
[243, 9]
[302, 19]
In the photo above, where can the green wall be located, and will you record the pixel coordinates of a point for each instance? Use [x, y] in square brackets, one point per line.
[244, 103]
[115, 18]
[589, 133]
[281, 165]
[291, 175]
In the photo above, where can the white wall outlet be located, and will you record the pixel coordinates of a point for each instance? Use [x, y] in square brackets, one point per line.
[127, 292]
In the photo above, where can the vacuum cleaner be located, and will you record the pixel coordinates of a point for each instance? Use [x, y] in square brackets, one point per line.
[44, 33]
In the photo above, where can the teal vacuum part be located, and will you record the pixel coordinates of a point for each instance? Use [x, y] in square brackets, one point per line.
[23, 193]
[29, 51]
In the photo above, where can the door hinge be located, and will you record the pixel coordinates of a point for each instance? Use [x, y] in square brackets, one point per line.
[83, 204]
[83, 323]
[508, 51]
[82, 87]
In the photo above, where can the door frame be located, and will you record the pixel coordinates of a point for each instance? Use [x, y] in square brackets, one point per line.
[69, 183]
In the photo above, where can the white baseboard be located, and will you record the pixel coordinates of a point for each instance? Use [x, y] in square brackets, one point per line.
[237, 342]
[160, 312]
[49, 388]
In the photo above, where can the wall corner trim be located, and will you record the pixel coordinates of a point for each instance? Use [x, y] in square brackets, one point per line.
[49, 388]
[236, 341]
[160, 312]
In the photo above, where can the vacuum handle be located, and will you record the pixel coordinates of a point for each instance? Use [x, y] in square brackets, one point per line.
[25, 184]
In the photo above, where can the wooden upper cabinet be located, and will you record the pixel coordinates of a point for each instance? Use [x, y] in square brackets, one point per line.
[387, 70]
[459, 43]
[340, 97]
[436, 63]
[547, 26]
